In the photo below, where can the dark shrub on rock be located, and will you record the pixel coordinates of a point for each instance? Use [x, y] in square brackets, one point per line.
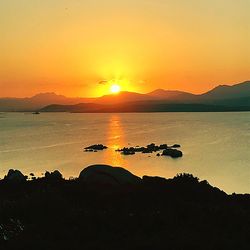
[186, 178]
[53, 176]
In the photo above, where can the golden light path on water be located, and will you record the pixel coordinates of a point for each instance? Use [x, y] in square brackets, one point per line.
[116, 139]
[139, 164]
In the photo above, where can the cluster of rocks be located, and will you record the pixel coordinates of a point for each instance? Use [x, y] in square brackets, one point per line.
[95, 148]
[16, 176]
[99, 174]
[166, 150]
[94, 174]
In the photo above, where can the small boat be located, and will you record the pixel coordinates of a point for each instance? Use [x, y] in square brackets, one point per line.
[36, 113]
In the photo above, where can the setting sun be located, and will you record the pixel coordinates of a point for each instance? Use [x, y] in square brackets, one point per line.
[115, 89]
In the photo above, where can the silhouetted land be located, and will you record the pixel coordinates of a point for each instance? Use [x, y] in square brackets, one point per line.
[142, 106]
[152, 213]
[219, 99]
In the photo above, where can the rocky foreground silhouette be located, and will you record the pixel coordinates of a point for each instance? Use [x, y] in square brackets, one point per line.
[110, 208]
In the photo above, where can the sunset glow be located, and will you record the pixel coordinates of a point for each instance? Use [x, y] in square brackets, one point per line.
[68, 46]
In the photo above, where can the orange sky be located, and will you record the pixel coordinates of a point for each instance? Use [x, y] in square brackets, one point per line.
[68, 47]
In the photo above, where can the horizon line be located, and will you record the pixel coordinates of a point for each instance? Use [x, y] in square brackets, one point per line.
[124, 91]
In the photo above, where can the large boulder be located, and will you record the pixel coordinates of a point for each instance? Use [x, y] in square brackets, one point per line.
[174, 153]
[107, 175]
[15, 176]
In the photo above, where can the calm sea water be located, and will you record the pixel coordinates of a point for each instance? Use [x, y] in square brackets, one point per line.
[215, 145]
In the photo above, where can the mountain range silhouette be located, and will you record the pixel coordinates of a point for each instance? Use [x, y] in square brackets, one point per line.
[220, 98]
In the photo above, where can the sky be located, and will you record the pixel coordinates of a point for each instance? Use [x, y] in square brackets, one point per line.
[81, 47]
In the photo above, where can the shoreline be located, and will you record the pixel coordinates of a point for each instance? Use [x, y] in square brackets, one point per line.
[22, 178]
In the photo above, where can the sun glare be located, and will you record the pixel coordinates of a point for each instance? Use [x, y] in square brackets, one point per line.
[115, 88]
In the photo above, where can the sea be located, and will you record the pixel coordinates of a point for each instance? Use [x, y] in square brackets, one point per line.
[215, 146]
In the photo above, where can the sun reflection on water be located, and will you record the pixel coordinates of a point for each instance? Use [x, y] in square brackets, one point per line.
[116, 138]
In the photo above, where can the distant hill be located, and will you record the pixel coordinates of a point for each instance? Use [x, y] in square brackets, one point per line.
[81, 108]
[228, 92]
[37, 102]
[173, 95]
[225, 97]
[141, 106]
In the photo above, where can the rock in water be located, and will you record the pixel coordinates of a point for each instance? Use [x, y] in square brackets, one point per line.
[15, 176]
[174, 153]
[95, 147]
[105, 174]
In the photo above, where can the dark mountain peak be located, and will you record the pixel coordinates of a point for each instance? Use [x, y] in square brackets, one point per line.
[218, 88]
[171, 95]
[229, 91]
[243, 83]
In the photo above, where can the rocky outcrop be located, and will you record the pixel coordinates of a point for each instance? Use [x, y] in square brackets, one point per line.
[174, 153]
[95, 147]
[53, 176]
[15, 176]
[145, 150]
[166, 150]
[107, 175]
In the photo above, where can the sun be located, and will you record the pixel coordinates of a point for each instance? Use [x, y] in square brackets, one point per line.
[115, 88]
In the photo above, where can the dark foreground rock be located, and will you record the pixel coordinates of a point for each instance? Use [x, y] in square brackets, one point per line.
[151, 213]
[107, 175]
[53, 176]
[15, 176]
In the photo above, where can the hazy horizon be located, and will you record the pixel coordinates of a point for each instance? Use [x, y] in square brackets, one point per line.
[122, 91]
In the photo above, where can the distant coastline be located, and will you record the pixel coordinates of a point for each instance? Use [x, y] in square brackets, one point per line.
[142, 107]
